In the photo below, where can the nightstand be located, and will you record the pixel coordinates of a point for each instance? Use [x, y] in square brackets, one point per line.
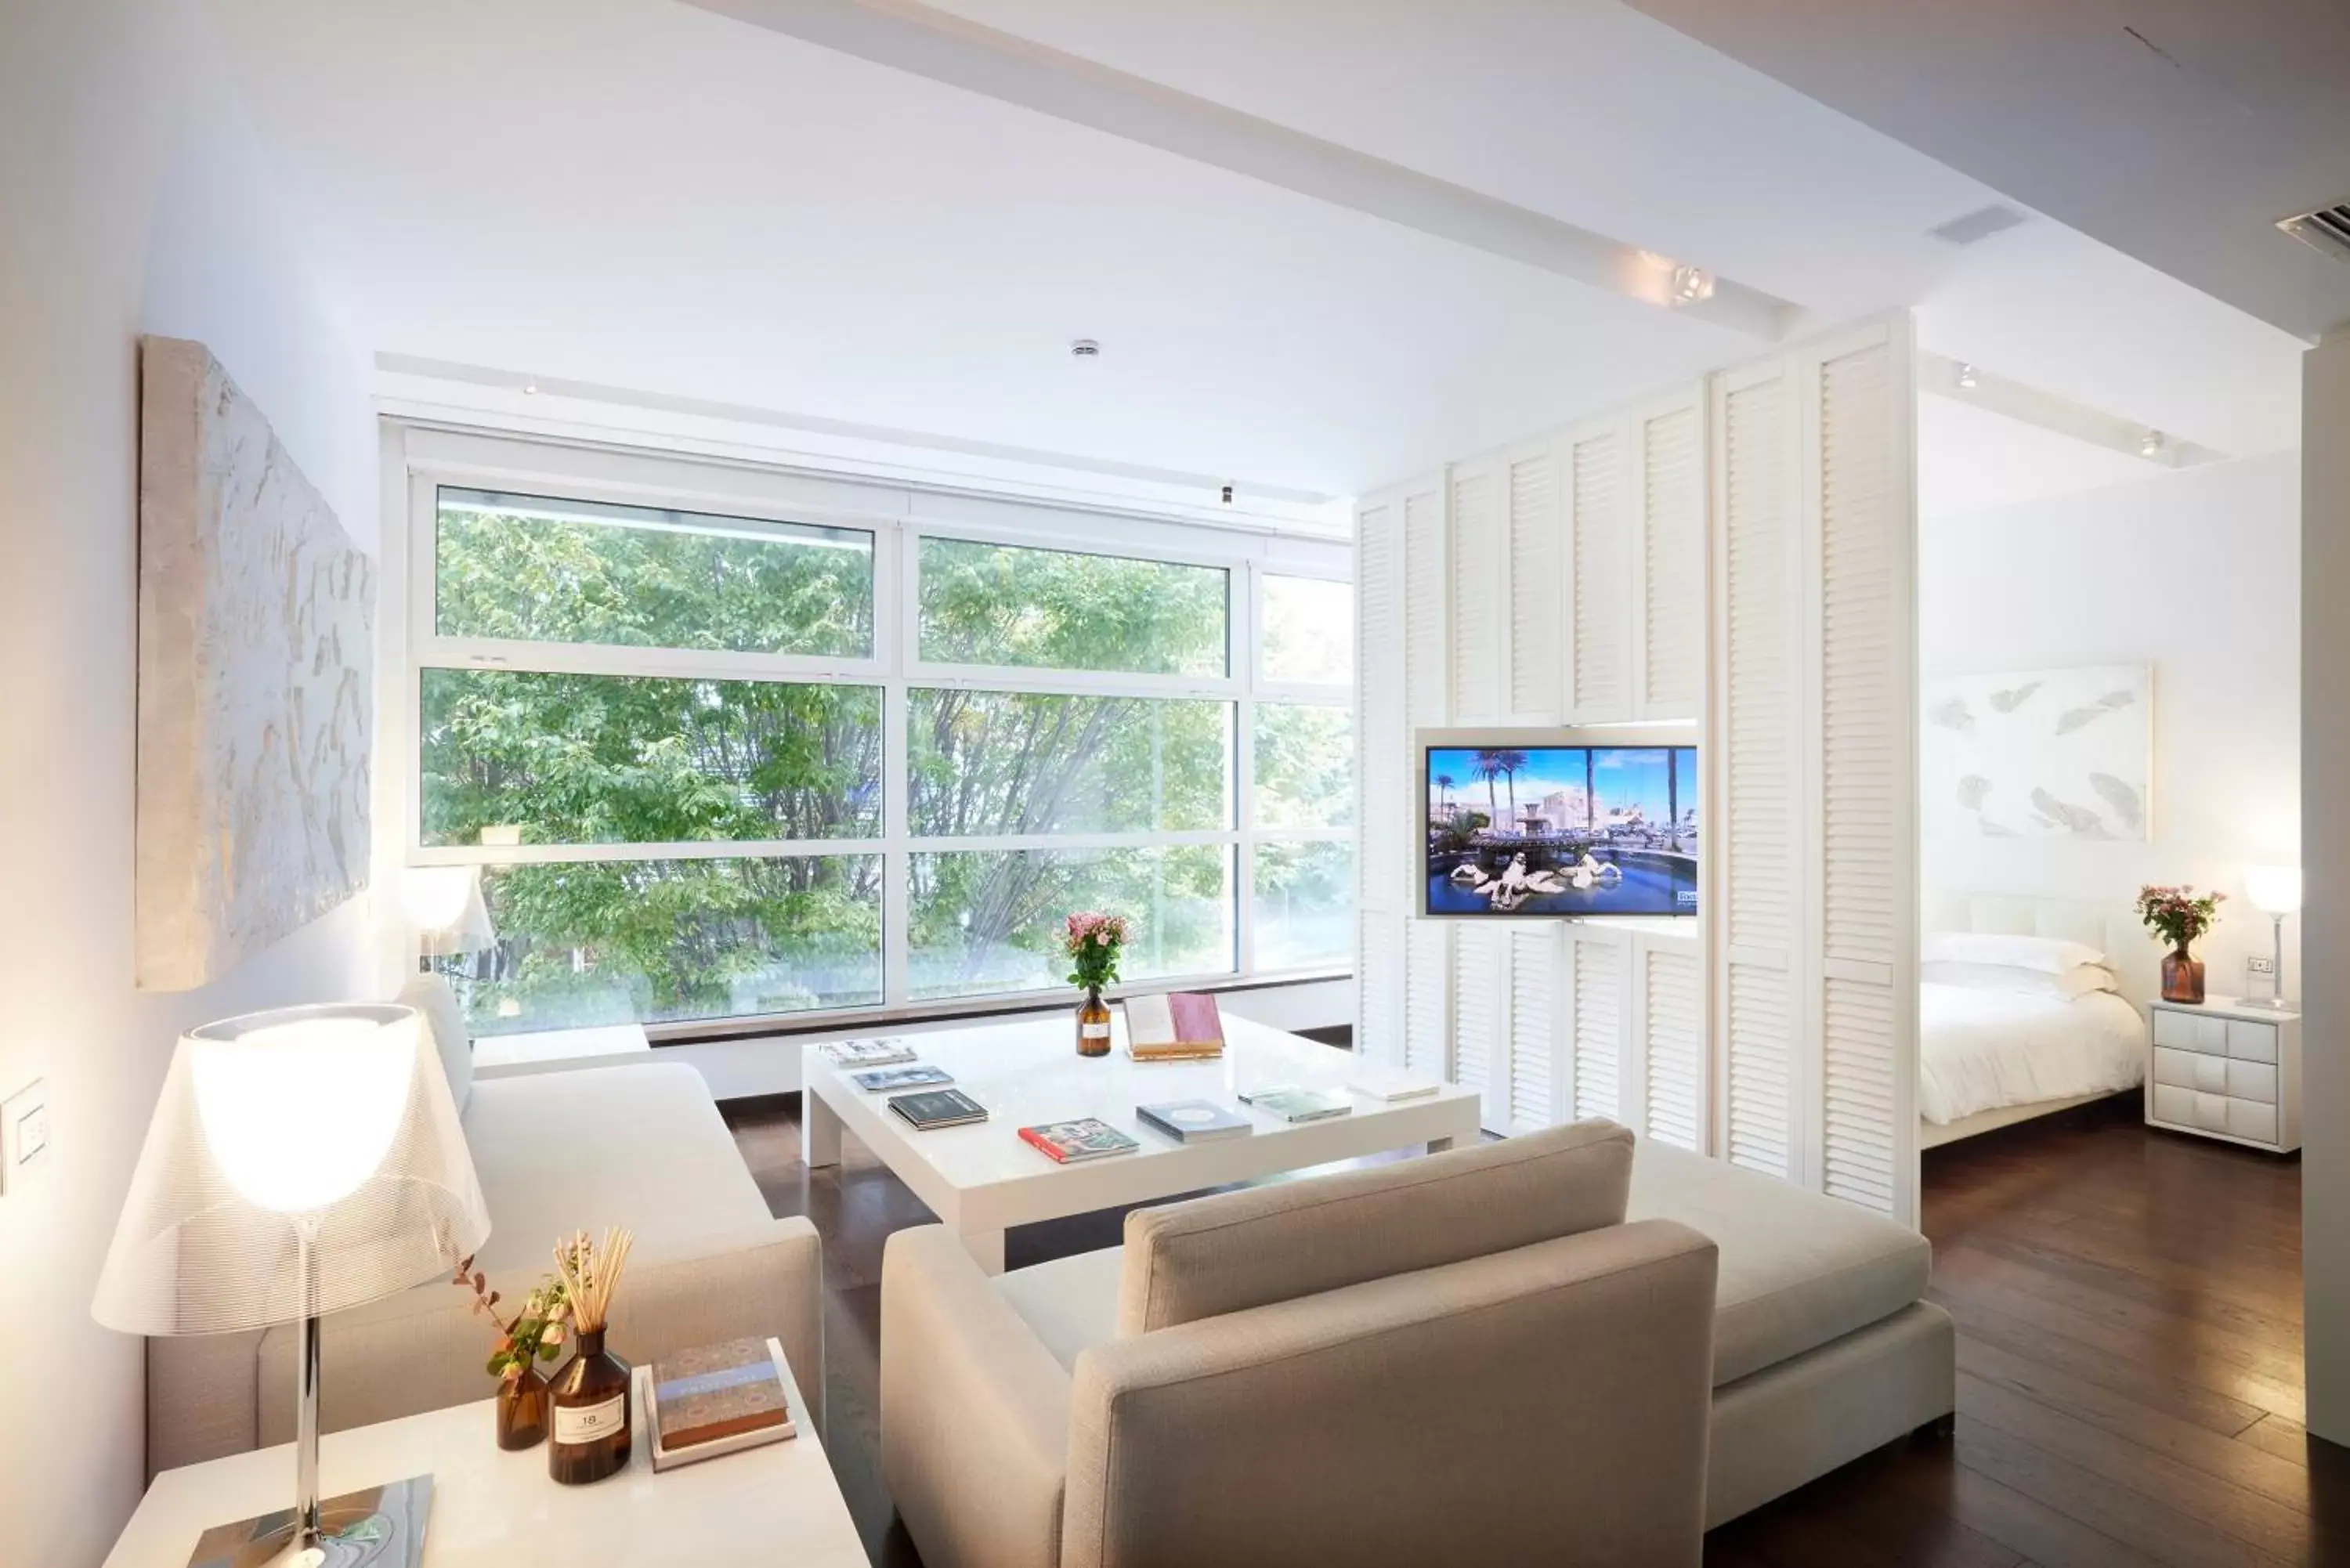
[2227, 1070]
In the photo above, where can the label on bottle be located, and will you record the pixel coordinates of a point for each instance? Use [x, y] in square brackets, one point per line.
[589, 1423]
[1093, 1030]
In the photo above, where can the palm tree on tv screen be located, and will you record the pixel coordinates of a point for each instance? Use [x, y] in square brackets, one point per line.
[1444, 782]
[1510, 763]
[1487, 765]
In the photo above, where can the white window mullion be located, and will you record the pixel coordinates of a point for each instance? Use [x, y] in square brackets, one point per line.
[1248, 603]
[893, 631]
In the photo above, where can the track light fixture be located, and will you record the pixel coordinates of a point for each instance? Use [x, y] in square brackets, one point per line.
[2154, 444]
[1967, 379]
[1691, 285]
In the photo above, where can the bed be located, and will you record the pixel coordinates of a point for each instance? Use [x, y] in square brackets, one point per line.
[1989, 1058]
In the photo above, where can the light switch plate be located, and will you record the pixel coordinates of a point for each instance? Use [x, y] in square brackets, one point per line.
[24, 1133]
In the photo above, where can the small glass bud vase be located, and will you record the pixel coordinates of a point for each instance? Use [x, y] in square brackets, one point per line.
[1093, 1024]
[589, 1414]
[522, 1411]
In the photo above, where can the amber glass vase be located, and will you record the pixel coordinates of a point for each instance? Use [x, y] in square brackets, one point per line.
[588, 1414]
[522, 1410]
[1093, 1024]
[2182, 976]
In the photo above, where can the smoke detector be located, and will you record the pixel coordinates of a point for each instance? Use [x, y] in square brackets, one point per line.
[2328, 229]
[1084, 348]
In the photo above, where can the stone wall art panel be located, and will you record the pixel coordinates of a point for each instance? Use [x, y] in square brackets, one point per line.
[2042, 753]
[257, 652]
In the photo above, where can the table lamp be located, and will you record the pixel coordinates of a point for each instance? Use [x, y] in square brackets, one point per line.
[445, 906]
[2275, 891]
[300, 1162]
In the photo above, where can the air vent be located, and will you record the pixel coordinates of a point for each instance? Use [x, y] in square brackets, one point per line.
[2328, 229]
[1978, 225]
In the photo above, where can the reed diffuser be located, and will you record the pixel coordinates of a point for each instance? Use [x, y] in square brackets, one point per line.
[591, 1408]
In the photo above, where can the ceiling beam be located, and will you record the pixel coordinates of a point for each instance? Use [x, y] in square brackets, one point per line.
[951, 51]
[1964, 382]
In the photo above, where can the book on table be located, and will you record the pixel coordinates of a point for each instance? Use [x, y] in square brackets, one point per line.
[1077, 1142]
[1293, 1104]
[717, 1399]
[1195, 1121]
[884, 1078]
[1179, 1025]
[1391, 1090]
[887, 1052]
[934, 1108]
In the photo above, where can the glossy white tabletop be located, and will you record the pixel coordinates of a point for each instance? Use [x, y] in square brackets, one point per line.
[1028, 1072]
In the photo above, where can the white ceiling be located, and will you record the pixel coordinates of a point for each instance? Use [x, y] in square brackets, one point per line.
[643, 196]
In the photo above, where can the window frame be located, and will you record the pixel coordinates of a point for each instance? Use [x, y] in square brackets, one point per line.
[897, 516]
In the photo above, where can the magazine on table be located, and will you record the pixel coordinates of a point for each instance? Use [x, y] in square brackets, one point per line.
[885, 1078]
[1076, 1142]
[1195, 1121]
[1303, 1105]
[934, 1108]
[886, 1052]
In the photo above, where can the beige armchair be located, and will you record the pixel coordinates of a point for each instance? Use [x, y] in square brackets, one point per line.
[1464, 1358]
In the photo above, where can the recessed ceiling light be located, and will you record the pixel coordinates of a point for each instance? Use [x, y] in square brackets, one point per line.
[2153, 445]
[1084, 348]
[1967, 379]
[1692, 284]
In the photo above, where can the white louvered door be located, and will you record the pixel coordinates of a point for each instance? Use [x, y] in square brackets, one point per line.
[1598, 592]
[1383, 794]
[1428, 998]
[1760, 848]
[1479, 582]
[1536, 542]
[1539, 1002]
[1598, 983]
[1670, 1002]
[1668, 559]
[1856, 438]
[1427, 686]
[1480, 1016]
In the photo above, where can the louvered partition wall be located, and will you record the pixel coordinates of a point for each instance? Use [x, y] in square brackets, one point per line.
[1599, 685]
[1536, 552]
[1669, 560]
[1867, 771]
[1383, 794]
[1760, 783]
[1742, 556]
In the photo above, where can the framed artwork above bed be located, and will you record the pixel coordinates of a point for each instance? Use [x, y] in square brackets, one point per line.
[2039, 753]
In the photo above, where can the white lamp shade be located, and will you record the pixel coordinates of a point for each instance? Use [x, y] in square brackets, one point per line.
[444, 904]
[2274, 889]
[333, 1120]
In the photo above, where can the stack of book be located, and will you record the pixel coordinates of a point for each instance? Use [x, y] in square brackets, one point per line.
[935, 1108]
[1175, 1026]
[886, 1052]
[719, 1399]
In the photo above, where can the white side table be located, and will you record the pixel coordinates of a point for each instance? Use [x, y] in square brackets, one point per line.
[2226, 1070]
[558, 1050]
[777, 1505]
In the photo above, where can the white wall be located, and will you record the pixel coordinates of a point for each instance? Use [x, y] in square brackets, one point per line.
[2195, 571]
[134, 202]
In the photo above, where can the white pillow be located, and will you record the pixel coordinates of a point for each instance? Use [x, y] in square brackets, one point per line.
[2049, 955]
[2065, 987]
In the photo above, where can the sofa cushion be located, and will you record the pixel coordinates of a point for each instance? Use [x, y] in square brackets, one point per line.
[1797, 1269]
[444, 1015]
[1070, 1303]
[1239, 1250]
[642, 1146]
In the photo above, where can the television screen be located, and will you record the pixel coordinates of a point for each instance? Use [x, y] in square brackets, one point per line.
[1562, 830]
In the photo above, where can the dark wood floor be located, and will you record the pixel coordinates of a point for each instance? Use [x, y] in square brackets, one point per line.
[2129, 1359]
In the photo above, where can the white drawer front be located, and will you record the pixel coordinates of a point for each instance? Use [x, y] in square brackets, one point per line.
[2212, 1035]
[2252, 1081]
[2176, 1030]
[2252, 1041]
[2176, 1068]
[2174, 1104]
[2248, 1119]
[2211, 1112]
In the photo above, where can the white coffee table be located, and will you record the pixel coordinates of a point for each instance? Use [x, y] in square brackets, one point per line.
[777, 1505]
[981, 1179]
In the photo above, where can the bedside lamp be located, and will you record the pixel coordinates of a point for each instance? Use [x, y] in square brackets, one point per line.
[298, 1162]
[2275, 891]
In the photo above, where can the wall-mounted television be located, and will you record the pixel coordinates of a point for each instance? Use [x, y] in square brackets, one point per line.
[1610, 828]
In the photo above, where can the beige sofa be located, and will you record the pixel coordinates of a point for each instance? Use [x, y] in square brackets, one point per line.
[639, 1145]
[1466, 1359]
[1481, 1356]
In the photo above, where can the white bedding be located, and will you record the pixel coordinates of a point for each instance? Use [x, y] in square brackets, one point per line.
[1987, 1050]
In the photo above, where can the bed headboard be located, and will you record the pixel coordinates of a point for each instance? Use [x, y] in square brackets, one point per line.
[2113, 929]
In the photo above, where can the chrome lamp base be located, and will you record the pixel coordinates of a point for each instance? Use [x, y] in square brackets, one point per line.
[382, 1527]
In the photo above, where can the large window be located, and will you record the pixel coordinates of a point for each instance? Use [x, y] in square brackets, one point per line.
[724, 766]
